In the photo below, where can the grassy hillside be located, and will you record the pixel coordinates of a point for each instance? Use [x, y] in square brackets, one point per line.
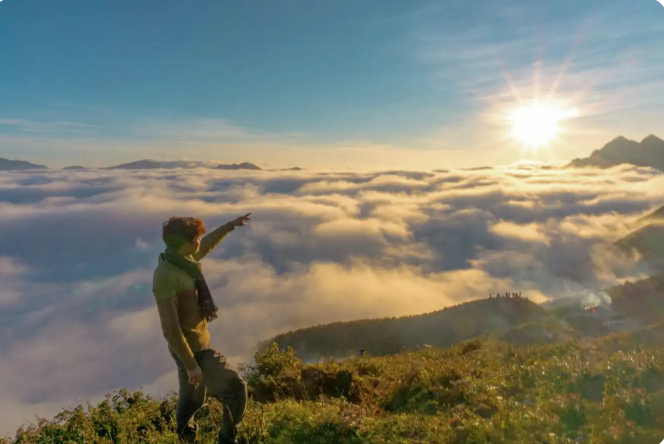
[608, 390]
[391, 335]
[536, 333]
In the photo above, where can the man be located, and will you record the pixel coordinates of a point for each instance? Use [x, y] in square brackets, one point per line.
[185, 307]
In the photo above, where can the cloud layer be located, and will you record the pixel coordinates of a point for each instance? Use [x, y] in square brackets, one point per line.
[77, 318]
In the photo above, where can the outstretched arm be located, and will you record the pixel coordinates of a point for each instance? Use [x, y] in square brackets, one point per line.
[213, 238]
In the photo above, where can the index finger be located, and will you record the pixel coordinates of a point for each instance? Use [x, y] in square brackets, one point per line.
[247, 215]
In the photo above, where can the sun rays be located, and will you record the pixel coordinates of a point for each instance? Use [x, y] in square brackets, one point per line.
[537, 125]
[530, 118]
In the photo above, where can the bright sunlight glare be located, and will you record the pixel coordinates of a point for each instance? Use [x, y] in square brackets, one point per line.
[537, 125]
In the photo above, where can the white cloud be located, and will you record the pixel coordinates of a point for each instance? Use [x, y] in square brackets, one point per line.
[140, 243]
[10, 272]
[80, 320]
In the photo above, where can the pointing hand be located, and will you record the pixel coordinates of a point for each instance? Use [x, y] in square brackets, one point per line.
[241, 221]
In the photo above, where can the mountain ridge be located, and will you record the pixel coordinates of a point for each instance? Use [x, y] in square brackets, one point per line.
[146, 164]
[12, 165]
[440, 328]
[239, 166]
[647, 153]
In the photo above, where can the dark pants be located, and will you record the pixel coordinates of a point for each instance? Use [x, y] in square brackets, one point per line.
[220, 382]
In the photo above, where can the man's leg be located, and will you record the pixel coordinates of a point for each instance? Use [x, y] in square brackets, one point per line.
[191, 399]
[227, 386]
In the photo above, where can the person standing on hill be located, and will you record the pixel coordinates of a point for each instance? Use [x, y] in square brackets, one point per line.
[185, 307]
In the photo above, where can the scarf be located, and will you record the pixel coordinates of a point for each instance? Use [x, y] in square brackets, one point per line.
[194, 270]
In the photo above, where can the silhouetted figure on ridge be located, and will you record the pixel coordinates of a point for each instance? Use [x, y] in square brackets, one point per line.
[185, 307]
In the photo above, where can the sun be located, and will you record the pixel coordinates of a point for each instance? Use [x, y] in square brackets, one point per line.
[538, 122]
[536, 125]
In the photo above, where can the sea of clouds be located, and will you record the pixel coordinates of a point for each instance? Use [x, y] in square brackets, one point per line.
[78, 248]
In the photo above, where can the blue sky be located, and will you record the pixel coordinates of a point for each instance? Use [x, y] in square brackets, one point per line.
[357, 83]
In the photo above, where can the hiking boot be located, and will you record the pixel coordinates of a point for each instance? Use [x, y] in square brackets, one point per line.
[187, 437]
[241, 440]
[228, 439]
[188, 434]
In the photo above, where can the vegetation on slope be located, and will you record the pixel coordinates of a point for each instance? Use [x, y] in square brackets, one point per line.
[391, 335]
[608, 390]
[536, 333]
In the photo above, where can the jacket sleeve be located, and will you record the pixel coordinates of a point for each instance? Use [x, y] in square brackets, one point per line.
[212, 239]
[165, 293]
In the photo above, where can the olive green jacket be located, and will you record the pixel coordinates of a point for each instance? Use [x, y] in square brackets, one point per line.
[182, 324]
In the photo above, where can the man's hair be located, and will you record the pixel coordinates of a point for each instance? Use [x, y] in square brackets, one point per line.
[178, 231]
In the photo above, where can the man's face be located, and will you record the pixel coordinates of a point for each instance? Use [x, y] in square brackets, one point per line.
[191, 248]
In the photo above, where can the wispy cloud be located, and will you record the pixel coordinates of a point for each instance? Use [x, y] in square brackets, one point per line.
[56, 126]
[210, 130]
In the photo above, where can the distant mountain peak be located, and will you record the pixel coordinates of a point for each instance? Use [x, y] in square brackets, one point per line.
[620, 142]
[652, 139]
[162, 164]
[138, 164]
[648, 153]
[238, 166]
[143, 164]
[9, 165]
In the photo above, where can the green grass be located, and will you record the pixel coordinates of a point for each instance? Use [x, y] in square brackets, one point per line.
[608, 390]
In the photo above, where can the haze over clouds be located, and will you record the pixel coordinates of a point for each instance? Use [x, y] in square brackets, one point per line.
[78, 249]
